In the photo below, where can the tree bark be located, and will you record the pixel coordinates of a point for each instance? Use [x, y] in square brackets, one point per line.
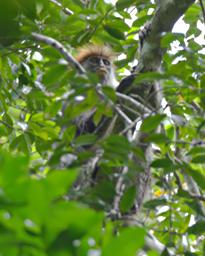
[167, 13]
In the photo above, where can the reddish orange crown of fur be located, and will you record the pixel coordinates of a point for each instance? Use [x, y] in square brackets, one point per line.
[94, 50]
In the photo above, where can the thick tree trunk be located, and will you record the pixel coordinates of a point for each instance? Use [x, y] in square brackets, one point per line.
[167, 13]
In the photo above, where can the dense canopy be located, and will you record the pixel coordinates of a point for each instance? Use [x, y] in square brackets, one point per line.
[41, 157]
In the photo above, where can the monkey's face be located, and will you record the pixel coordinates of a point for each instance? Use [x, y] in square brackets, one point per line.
[99, 65]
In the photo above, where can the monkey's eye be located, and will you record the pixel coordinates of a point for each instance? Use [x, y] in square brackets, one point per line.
[106, 62]
[94, 60]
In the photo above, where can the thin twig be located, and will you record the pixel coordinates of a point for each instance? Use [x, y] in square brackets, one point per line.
[133, 124]
[11, 50]
[123, 115]
[16, 128]
[199, 197]
[192, 186]
[119, 189]
[140, 99]
[57, 45]
[64, 9]
[194, 196]
[131, 110]
[117, 108]
[134, 102]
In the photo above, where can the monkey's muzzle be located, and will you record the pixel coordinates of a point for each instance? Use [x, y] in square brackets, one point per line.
[101, 71]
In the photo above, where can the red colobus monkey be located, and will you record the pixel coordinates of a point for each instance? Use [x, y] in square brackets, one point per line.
[99, 59]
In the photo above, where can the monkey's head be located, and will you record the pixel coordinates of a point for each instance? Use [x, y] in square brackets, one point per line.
[98, 59]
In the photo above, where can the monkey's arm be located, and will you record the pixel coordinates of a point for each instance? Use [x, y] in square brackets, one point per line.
[85, 123]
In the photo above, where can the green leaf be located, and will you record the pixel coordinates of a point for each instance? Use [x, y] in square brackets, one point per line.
[164, 163]
[198, 177]
[60, 181]
[14, 177]
[13, 168]
[202, 81]
[14, 112]
[152, 204]
[158, 138]
[126, 243]
[116, 148]
[7, 119]
[72, 227]
[196, 151]
[43, 193]
[170, 37]
[194, 205]
[38, 117]
[69, 133]
[7, 243]
[22, 143]
[28, 8]
[114, 32]
[183, 193]
[202, 124]
[192, 14]
[122, 4]
[200, 159]
[181, 69]
[198, 228]
[151, 76]
[109, 92]
[9, 24]
[140, 21]
[151, 122]
[38, 131]
[82, 37]
[84, 140]
[128, 198]
[54, 74]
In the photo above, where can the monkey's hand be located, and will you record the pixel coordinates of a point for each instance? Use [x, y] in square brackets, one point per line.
[144, 33]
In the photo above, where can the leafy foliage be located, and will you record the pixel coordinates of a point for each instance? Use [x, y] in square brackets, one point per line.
[36, 83]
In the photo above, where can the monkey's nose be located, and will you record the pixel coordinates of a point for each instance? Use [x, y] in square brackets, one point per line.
[101, 63]
[101, 71]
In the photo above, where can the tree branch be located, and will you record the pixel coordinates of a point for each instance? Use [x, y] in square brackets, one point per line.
[64, 9]
[203, 9]
[57, 45]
